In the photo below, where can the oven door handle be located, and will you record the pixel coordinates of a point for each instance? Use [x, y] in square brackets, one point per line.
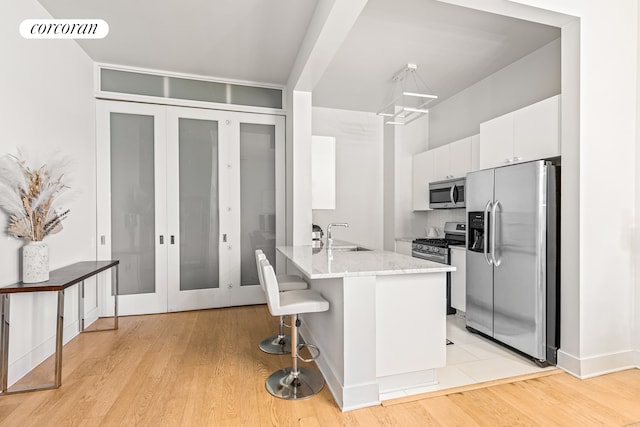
[485, 234]
[496, 262]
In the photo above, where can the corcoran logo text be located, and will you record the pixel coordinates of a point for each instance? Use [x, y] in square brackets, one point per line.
[64, 29]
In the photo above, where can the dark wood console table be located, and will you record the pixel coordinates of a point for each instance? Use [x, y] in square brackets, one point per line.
[59, 280]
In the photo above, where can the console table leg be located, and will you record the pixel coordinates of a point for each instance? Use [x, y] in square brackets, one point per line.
[4, 341]
[115, 299]
[81, 306]
[59, 333]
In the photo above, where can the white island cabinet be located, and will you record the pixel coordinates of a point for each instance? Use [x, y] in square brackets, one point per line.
[385, 329]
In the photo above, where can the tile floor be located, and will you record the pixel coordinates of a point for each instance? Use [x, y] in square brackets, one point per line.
[472, 359]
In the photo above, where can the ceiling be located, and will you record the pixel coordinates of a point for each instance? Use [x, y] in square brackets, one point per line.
[258, 40]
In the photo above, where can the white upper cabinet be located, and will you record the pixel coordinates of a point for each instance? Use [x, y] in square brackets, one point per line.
[459, 157]
[537, 130]
[452, 160]
[323, 172]
[441, 158]
[445, 162]
[423, 171]
[475, 153]
[530, 133]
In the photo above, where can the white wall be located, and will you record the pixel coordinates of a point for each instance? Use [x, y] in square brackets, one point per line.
[411, 139]
[358, 174]
[400, 144]
[47, 105]
[636, 240]
[530, 79]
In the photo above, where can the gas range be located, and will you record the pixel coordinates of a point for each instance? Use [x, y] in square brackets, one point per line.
[437, 250]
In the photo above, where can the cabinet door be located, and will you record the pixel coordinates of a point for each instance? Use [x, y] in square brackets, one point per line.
[442, 163]
[460, 157]
[496, 141]
[422, 175]
[475, 153]
[459, 279]
[537, 130]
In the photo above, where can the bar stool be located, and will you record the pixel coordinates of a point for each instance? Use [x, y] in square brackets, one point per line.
[293, 383]
[280, 343]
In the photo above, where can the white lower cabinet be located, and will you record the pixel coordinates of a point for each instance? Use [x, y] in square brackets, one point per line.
[459, 278]
[423, 173]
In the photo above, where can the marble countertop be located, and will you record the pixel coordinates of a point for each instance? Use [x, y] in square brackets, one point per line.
[325, 262]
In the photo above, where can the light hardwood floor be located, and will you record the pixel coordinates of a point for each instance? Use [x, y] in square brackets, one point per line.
[204, 368]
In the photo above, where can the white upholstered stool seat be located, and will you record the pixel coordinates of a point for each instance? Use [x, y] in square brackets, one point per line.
[293, 383]
[290, 282]
[304, 301]
[280, 343]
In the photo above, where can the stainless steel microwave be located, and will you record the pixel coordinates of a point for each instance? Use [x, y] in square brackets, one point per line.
[447, 194]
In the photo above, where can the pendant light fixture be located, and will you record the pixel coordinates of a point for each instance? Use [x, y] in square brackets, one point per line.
[409, 98]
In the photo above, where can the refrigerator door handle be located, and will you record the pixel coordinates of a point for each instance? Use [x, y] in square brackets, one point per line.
[485, 233]
[496, 262]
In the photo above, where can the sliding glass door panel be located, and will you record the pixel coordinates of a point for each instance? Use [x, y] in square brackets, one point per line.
[257, 197]
[198, 201]
[131, 197]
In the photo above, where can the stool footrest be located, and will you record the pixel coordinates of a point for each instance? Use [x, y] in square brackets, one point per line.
[310, 346]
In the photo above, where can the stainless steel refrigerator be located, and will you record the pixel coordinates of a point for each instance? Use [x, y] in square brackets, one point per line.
[512, 257]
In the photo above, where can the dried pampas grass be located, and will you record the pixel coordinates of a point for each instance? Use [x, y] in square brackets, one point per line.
[28, 194]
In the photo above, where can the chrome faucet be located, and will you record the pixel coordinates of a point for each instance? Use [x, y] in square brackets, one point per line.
[334, 224]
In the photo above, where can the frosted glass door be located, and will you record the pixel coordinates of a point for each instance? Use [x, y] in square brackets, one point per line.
[185, 196]
[131, 202]
[194, 160]
[256, 198]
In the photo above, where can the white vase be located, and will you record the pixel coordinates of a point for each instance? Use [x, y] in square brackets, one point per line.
[35, 262]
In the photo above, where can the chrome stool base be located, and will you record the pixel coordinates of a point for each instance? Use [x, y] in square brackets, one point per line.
[276, 344]
[283, 385]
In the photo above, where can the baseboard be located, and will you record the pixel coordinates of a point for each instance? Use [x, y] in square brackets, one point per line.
[594, 366]
[91, 316]
[39, 354]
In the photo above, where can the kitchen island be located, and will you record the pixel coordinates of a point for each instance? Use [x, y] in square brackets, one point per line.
[385, 330]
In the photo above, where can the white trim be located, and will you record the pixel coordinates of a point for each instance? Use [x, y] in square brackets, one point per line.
[100, 94]
[38, 354]
[117, 96]
[594, 366]
[164, 73]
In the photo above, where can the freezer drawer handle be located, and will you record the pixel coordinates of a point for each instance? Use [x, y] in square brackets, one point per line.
[496, 262]
[485, 232]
